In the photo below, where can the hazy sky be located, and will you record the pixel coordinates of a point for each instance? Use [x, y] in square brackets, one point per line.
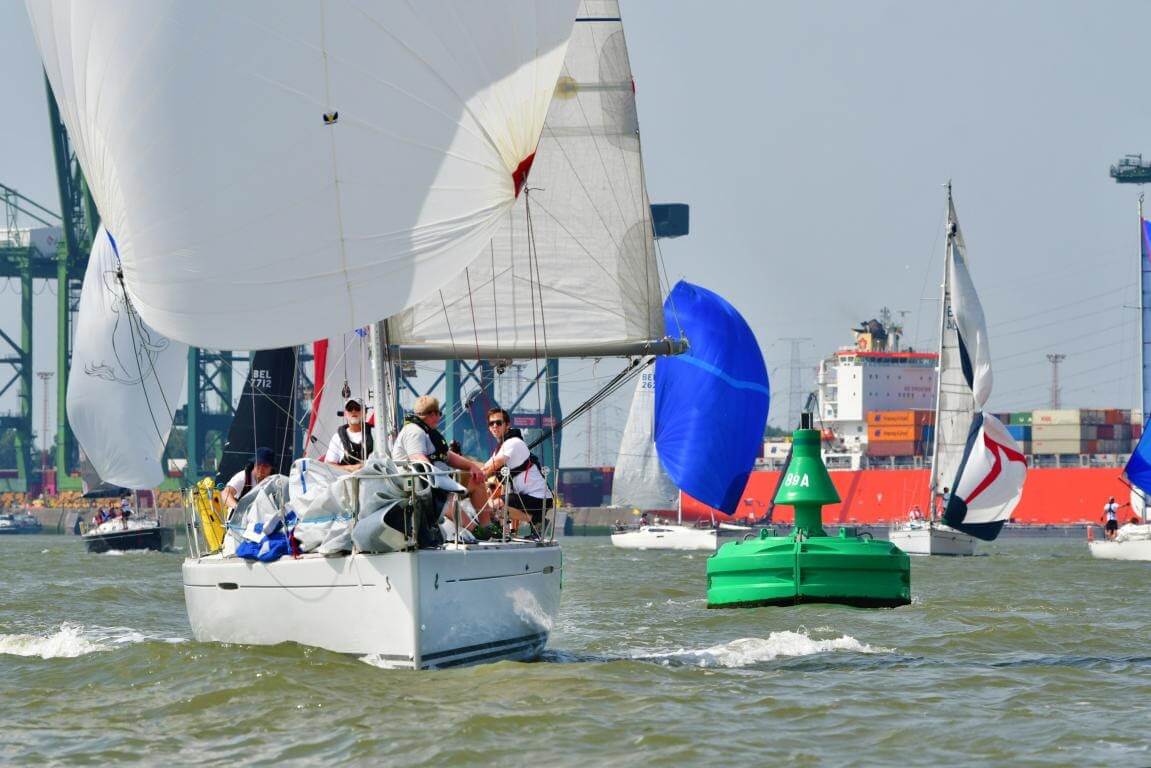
[811, 140]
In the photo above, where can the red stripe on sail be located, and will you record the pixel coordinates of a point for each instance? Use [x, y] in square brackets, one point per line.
[997, 467]
[320, 365]
[520, 175]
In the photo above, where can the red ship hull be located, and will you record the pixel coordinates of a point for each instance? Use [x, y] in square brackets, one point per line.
[1064, 496]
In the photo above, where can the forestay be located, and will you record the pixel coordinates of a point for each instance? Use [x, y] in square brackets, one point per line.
[639, 480]
[278, 172]
[711, 402]
[579, 277]
[984, 469]
[125, 381]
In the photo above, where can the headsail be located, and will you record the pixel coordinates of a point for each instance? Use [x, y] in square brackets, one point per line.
[265, 416]
[976, 459]
[349, 156]
[1138, 469]
[125, 381]
[340, 367]
[585, 271]
[711, 402]
[639, 480]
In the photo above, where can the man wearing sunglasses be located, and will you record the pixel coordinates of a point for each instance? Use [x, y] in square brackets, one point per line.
[421, 440]
[529, 491]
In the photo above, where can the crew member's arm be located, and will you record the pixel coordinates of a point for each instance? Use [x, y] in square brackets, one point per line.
[229, 497]
[475, 471]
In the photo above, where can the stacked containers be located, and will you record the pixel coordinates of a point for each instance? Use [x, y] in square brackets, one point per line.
[1085, 430]
[899, 433]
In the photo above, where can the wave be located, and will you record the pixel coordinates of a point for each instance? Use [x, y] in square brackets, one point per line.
[747, 651]
[72, 640]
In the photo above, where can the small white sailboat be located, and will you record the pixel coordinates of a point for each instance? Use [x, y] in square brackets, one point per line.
[1133, 540]
[977, 470]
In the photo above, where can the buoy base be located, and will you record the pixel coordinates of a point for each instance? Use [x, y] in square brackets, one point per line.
[792, 570]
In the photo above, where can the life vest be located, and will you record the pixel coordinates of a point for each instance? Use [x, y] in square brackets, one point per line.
[532, 459]
[438, 441]
[353, 453]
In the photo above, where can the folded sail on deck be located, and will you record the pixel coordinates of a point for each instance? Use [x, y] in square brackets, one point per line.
[278, 172]
[582, 278]
[125, 381]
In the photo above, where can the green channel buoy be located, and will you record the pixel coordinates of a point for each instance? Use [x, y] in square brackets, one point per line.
[808, 566]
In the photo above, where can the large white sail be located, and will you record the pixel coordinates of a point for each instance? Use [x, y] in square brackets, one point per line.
[582, 280]
[277, 172]
[125, 382]
[639, 480]
[976, 459]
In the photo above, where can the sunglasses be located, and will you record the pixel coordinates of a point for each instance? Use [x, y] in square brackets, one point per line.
[496, 423]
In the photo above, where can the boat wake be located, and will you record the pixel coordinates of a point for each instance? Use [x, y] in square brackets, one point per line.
[73, 640]
[748, 651]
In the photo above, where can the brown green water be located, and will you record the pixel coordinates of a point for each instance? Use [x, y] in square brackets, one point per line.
[1033, 654]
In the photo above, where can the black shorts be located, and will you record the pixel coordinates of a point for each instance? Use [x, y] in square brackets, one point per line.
[533, 505]
[1112, 525]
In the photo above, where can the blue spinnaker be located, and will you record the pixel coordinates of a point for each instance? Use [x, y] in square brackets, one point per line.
[1138, 469]
[710, 402]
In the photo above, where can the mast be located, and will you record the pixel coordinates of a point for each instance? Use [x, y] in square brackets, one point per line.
[1144, 312]
[943, 308]
[382, 428]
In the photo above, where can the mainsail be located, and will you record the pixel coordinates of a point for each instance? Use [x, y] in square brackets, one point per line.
[1138, 469]
[582, 266]
[124, 378]
[278, 172]
[975, 459]
[265, 416]
[711, 402]
[639, 480]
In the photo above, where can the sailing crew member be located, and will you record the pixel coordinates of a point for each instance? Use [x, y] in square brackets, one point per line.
[352, 444]
[529, 490]
[248, 477]
[420, 440]
[1110, 517]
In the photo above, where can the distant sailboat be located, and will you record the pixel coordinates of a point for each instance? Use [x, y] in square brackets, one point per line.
[711, 405]
[977, 469]
[639, 481]
[1133, 541]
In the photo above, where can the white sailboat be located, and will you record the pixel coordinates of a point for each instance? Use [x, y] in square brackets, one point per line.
[402, 136]
[641, 484]
[1133, 540]
[977, 470]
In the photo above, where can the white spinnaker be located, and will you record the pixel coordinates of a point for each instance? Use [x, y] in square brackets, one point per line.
[350, 156]
[968, 314]
[338, 361]
[991, 480]
[126, 380]
[592, 281]
[639, 480]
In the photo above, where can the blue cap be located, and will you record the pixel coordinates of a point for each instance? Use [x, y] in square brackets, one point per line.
[265, 456]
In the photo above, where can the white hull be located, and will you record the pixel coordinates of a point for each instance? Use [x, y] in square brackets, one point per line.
[419, 609]
[933, 540]
[1132, 543]
[671, 537]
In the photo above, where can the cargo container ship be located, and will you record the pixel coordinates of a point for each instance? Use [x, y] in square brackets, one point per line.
[876, 411]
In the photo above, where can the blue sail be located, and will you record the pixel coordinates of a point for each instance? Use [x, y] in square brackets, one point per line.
[710, 402]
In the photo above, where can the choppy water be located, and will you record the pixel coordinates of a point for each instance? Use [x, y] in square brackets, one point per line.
[1033, 654]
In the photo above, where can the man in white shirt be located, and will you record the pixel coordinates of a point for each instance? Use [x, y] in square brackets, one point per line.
[1111, 517]
[352, 444]
[529, 490]
[420, 440]
[248, 477]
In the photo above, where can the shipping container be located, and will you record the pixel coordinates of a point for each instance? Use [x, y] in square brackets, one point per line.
[900, 418]
[1117, 416]
[1047, 447]
[1020, 432]
[1136, 431]
[1064, 432]
[1021, 417]
[886, 433]
[1105, 431]
[1136, 415]
[1066, 416]
[894, 448]
[928, 434]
